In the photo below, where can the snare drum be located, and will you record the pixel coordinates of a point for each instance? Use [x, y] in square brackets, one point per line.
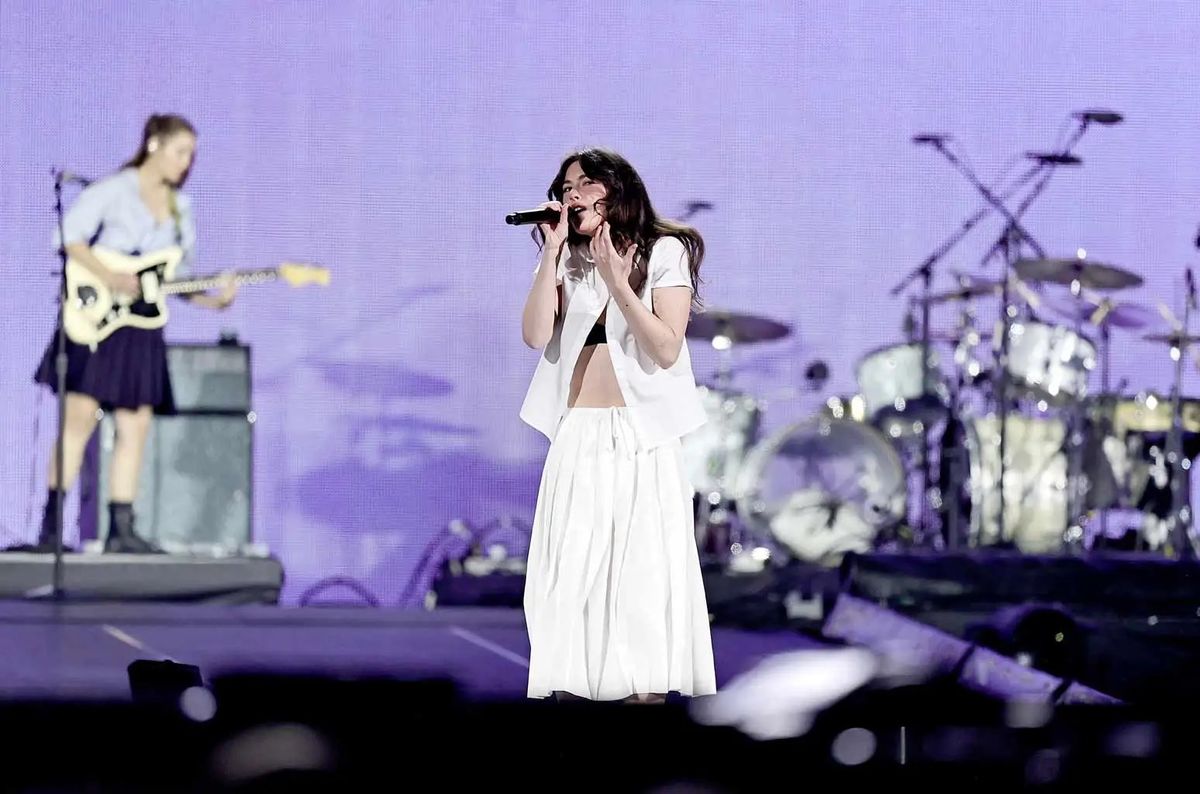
[896, 395]
[713, 453]
[1035, 482]
[1049, 362]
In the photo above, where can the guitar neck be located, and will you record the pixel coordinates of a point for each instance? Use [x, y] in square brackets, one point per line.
[205, 283]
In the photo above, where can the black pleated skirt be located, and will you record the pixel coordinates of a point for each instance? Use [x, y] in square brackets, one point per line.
[127, 370]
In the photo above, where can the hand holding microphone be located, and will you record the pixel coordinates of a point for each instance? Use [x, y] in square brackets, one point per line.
[551, 217]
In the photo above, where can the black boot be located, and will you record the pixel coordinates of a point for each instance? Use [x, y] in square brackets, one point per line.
[121, 537]
[45, 541]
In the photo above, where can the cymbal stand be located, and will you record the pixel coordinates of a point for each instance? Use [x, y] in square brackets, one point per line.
[715, 517]
[1103, 413]
[928, 386]
[953, 452]
[1076, 484]
[924, 271]
[1180, 521]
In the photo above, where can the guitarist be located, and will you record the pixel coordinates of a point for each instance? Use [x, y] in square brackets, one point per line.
[139, 209]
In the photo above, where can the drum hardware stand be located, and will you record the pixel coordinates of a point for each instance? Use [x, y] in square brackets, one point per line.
[1076, 479]
[925, 272]
[1104, 412]
[1179, 530]
[718, 522]
[954, 435]
[1009, 245]
[1105, 422]
[715, 519]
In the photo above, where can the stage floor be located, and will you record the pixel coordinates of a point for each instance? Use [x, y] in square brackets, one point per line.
[82, 650]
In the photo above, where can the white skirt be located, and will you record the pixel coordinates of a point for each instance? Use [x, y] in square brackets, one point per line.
[614, 600]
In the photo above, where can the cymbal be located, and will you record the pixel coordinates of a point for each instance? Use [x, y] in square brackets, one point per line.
[1173, 338]
[972, 289]
[1094, 275]
[735, 326]
[1101, 312]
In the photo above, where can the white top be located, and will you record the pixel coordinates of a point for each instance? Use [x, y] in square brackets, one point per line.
[665, 403]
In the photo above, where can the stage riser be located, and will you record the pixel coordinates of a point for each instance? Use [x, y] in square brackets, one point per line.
[144, 578]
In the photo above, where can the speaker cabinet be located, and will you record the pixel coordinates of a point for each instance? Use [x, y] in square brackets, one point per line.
[195, 487]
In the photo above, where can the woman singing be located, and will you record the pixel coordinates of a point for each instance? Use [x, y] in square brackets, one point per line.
[139, 209]
[614, 600]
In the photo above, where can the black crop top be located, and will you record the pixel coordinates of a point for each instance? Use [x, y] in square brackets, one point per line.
[596, 336]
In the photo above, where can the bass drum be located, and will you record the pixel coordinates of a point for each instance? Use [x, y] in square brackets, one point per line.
[715, 451]
[823, 487]
[1035, 483]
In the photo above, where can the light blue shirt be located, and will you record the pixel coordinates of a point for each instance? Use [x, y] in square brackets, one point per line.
[110, 213]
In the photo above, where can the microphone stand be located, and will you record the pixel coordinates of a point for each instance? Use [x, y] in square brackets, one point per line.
[60, 371]
[1010, 242]
[924, 271]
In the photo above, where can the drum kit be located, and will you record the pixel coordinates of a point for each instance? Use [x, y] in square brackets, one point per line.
[984, 437]
[842, 480]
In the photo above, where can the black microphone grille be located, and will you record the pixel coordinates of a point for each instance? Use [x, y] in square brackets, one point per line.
[1105, 117]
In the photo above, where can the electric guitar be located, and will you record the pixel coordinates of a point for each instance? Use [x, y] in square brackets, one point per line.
[93, 311]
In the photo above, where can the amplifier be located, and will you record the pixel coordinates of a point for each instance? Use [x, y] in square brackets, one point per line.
[210, 377]
[196, 485]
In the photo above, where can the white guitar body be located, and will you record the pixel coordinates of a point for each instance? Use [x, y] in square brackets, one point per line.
[94, 311]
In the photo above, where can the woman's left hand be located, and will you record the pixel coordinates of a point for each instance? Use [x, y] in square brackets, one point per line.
[612, 266]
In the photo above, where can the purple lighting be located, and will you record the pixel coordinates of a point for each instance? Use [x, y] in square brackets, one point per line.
[386, 141]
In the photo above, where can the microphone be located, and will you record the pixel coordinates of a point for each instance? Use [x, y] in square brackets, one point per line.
[936, 138]
[67, 177]
[1054, 158]
[1191, 287]
[1106, 117]
[531, 216]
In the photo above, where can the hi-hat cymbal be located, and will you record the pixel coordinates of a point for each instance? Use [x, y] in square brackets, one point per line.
[1173, 338]
[1093, 275]
[1101, 312]
[736, 327]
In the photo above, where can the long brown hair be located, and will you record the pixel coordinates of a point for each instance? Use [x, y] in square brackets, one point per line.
[629, 213]
[162, 127]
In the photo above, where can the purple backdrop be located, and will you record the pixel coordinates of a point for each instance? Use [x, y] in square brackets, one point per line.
[387, 140]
